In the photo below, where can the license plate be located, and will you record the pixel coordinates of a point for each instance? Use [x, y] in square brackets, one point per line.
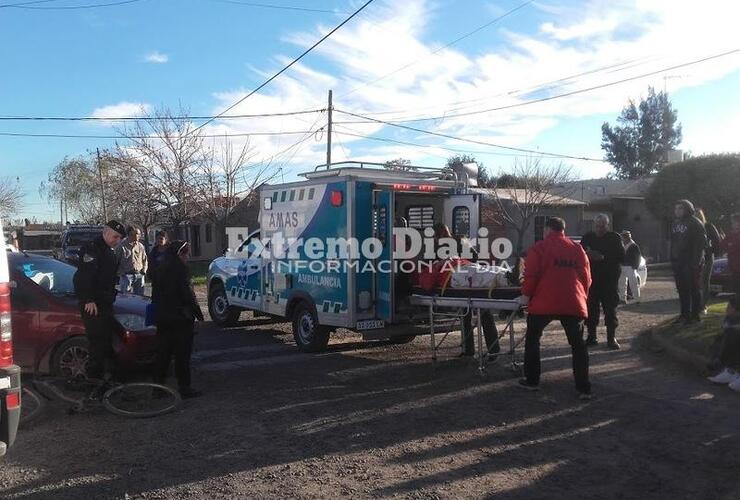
[715, 288]
[370, 324]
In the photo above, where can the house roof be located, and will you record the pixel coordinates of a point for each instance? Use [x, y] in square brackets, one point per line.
[596, 190]
[521, 194]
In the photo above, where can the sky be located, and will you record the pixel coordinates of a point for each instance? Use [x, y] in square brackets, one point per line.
[394, 61]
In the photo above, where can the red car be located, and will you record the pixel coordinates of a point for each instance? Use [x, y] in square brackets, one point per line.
[48, 334]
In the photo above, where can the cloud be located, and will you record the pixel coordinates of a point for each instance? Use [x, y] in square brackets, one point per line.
[602, 43]
[121, 109]
[156, 57]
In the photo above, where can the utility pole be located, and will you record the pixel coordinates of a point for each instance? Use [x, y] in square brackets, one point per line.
[102, 186]
[329, 109]
[61, 211]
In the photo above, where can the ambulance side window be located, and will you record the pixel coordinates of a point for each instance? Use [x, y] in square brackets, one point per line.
[310, 193]
[461, 221]
[380, 222]
[274, 196]
[301, 193]
[292, 195]
[282, 196]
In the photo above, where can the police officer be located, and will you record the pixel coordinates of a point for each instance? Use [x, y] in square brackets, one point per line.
[606, 254]
[95, 287]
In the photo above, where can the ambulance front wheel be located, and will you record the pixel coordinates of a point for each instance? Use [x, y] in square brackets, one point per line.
[308, 334]
[218, 307]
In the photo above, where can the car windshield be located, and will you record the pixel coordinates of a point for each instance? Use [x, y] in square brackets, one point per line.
[51, 275]
[79, 239]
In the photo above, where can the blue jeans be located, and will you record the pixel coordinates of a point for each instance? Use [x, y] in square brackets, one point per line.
[132, 283]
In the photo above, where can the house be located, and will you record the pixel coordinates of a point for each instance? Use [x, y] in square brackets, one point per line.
[623, 200]
[566, 208]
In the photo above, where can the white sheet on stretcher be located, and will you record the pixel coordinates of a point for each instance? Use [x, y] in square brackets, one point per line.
[475, 276]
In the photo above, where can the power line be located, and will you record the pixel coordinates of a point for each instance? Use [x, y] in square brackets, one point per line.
[21, 4]
[27, 5]
[430, 146]
[566, 94]
[280, 7]
[447, 45]
[75, 136]
[285, 68]
[153, 118]
[472, 141]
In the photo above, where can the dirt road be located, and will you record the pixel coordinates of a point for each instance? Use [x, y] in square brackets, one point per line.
[378, 420]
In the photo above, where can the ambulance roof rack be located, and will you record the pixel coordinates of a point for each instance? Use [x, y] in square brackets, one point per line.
[380, 169]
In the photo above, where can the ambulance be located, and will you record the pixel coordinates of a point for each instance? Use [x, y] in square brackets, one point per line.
[351, 208]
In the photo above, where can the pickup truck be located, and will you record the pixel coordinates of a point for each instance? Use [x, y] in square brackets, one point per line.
[10, 374]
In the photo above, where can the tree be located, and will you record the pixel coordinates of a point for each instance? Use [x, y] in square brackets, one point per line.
[11, 196]
[484, 178]
[638, 144]
[516, 204]
[711, 182]
[74, 182]
[401, 165]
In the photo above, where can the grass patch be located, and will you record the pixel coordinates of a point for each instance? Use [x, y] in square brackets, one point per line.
[199, 272]
[697, 337]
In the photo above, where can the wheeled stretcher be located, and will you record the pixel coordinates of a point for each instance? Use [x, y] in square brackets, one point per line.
[447, 303]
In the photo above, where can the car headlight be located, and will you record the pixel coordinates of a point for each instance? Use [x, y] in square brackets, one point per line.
[131, 322]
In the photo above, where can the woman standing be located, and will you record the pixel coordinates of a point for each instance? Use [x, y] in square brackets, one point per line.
[176, 309]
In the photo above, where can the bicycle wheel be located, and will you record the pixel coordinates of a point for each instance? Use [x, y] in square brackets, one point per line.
[141, 400]
[32, 405]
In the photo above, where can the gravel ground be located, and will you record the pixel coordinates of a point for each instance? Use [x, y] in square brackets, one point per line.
[379, 420]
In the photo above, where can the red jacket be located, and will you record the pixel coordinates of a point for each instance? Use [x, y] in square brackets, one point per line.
[731, 245]
[557, 277]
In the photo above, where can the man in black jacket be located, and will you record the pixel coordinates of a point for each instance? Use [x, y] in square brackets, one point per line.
[95, 286]
[688, 241]
[605, 253]
[176, 311]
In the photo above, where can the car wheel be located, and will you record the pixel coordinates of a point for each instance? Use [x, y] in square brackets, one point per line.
[70, 358]
[308, 334]
[218, 307]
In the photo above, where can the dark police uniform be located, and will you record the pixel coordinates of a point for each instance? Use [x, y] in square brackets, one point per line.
[604, 287]
[95, 281]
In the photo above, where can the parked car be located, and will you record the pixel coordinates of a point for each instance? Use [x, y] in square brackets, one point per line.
[10, 373]
[48, 331]
[719, 281]
[72, 240]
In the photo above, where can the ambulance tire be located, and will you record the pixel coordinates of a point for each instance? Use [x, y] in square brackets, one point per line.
[308, 334]
[402, 339]
[221, 313]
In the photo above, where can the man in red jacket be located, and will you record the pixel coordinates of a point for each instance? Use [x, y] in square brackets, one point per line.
[556, 283]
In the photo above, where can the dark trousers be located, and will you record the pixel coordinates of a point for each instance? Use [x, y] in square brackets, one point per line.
[490, 332]
[706, 277]
[573, 327]
[99, 330]
[688, 284]
[603, 296]
[175, 339]
[729, 355]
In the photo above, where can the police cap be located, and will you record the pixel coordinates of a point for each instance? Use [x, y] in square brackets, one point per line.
[117, 227]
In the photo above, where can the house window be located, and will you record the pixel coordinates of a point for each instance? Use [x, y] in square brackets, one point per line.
[420, 217]
[461, 221]
[209, 235]
[301, 194]
[311, 193]
[539, 226]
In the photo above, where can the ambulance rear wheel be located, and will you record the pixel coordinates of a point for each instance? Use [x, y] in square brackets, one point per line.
[309, 335]
[218, 307]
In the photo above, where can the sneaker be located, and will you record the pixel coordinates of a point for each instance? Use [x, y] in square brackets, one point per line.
[724, 377]
[495, 349]
[524, 384]
[585, 396]
[613, 345]
[735, 384]
[591, 341]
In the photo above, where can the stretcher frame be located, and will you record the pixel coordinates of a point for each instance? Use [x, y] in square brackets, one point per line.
[437, 305]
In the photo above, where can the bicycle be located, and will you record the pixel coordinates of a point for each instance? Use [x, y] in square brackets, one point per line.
[130, 400]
